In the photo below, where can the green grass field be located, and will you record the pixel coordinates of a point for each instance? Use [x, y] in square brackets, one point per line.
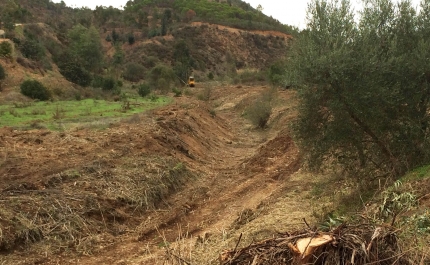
[59, 115]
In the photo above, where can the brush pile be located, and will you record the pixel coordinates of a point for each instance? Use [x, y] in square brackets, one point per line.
[343, 245]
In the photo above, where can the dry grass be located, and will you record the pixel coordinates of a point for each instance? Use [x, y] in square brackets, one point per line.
[205, 93]
[262, 230]
[143, 190]
[79, 210]
[260, 110]
[252, 225]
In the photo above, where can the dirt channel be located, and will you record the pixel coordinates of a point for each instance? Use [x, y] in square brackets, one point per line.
[217, 177]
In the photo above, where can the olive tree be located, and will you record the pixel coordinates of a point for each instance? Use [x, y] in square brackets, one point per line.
[363, 86]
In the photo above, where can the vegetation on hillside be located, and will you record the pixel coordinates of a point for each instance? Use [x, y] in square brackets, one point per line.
[6, 49]
[48, 35]
[230, 13]
[85, 46]
[11, 12]
[364, 87]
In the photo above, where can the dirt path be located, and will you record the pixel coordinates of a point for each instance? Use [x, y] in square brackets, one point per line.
[240, 171]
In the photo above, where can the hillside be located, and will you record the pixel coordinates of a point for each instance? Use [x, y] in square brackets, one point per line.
[214, 48]
[111, 160]
[91, 47]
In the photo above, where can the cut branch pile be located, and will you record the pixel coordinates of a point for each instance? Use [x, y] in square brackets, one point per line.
[343, 245]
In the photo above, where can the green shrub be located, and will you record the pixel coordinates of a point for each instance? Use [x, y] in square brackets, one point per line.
[2, 76]
[153, 97]
[53, 47]
[97, 81]
[211, 76]
[235, 80]
[134, 72]
[161, 76]
[32, 30]
[14, 113]
[78, 96]
[153, 33]
[118, 56]
[2, 73]
[150, 61]
[276, 73]
[16, 40]
[163, 85]
[46, 64]
[72, 69]
[116, 91]
[249, 76]
[106, 83]
[5, 49]
[109, 83]
[259, 112]
[177, 92]
[144, 90]
[212, 113]
[115, 36]
[75, 73]
[205, 95]
[131, 39]
[188, 92]
[84, 46]
[32, 49]
[35, 90]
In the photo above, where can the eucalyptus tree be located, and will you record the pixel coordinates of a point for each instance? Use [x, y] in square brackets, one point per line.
[85, 45]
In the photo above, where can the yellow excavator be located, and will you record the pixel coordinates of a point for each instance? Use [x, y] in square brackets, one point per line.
[191, 82]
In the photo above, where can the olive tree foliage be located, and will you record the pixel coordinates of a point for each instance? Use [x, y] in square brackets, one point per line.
[363, 86]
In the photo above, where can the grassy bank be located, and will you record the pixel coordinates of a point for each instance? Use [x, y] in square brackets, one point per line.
[66, 114]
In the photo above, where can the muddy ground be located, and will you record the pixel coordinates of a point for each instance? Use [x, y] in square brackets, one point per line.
[190, 177]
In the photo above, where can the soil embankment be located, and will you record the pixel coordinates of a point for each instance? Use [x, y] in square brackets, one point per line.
[218, 176]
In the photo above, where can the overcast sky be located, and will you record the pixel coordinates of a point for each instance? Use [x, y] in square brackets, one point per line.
[291, 12]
